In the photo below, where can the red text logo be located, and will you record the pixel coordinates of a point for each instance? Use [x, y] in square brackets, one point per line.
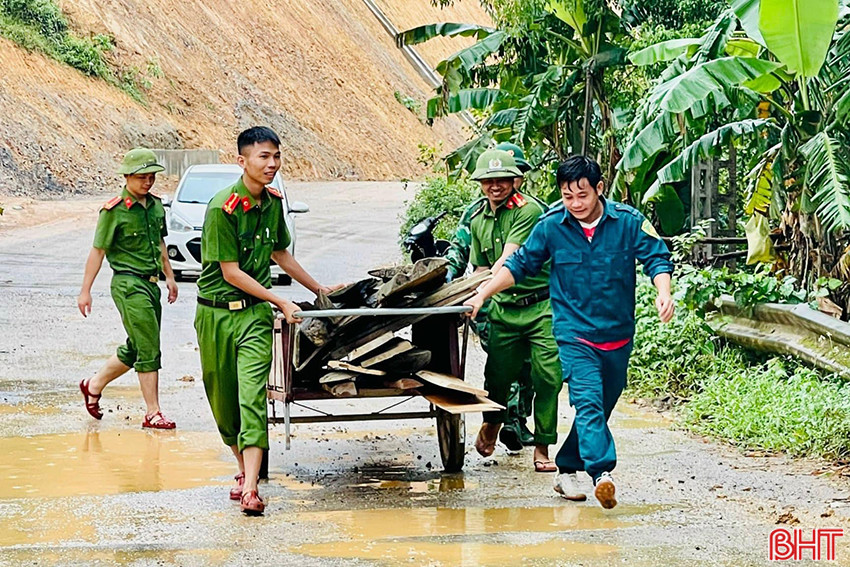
[797, 544]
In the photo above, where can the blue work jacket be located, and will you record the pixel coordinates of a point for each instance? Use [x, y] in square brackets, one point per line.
[592, 284]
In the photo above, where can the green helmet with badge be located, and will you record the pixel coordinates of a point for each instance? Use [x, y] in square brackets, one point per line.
[516, 151]
[494, 164]
[138, 161]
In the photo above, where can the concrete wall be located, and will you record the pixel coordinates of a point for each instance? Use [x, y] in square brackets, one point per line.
[177, 161]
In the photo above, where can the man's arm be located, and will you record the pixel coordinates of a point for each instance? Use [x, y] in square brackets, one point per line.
[233, 274]
[500, 282]
[290, 265]
[651, 251]
[170, 284]
[509, 249]
[93, 264]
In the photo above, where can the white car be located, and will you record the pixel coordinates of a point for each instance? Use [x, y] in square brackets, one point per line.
[185, 216]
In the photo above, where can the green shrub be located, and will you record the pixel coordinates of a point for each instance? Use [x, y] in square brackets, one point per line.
[780, 406]
[728, 392]
[435, 196]
[43, 15]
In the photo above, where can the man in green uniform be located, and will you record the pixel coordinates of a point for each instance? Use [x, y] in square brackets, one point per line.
[520, 319]
[514, 433]
[130, 231]
[243, 230]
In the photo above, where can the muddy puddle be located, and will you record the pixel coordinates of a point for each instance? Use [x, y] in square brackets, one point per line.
[110, 462]
[471, 536]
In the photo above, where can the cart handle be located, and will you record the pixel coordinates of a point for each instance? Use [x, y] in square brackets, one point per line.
[380, 311]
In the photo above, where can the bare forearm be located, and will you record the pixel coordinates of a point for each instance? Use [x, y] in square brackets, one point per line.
[239, 279]
[290, 265]
[662, 283]
[166, 264]
[93, 264]
[500, 282]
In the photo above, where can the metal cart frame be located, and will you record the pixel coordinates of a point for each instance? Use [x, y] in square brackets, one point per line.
[435, 329]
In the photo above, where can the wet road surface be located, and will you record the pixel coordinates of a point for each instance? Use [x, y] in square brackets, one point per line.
[74, 491]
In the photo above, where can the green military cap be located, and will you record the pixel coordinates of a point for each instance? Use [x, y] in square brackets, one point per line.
[139, 160]
[493, 164]
[516, 151]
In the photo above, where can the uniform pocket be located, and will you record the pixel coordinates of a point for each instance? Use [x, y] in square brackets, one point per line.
[566, 268]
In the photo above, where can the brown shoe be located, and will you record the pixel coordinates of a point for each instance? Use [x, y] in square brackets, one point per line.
[236, 491]
[252, 504]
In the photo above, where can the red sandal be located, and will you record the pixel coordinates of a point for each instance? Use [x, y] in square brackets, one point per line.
[92, 407]
[236, 491]
[157, 421]
[252, 504]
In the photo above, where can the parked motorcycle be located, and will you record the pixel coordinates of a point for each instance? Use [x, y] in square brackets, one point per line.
[420, 242]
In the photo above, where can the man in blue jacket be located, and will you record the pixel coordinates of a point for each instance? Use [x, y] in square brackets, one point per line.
[593, 244]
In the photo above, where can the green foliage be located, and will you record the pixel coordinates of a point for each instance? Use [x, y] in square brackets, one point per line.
[727, 392]
[40, 25]
[798, 32]
[779, 405]
[436, 195]
[409, 103]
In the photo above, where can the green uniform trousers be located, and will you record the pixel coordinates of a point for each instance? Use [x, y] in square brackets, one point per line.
[138, 302]
[236, 358]
[521, 394]
[517, 334]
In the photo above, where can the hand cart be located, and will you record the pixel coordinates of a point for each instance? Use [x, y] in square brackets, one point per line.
[442, 330]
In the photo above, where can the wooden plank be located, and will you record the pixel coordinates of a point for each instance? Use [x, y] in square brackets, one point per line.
[396, 347]
[374, 344]
[450, 382]
[454, 402]
[382, 392]
[339, 365]
[353, 332]
[337, 376]
[342, 389]
[404, 384]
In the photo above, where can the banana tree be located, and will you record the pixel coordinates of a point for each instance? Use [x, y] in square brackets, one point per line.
[538, 86]
[770, 76]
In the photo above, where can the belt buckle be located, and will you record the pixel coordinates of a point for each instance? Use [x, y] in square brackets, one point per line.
[153, 279]
[236, 305]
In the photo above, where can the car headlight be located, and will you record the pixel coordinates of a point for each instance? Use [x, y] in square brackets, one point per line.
[176, 223]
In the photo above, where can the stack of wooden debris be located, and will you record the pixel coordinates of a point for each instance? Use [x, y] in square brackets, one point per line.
[375, 356]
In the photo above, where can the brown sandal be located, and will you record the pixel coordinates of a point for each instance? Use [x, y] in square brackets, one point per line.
[251, 504]
[236, 491]
[158, 421]
[92, 407]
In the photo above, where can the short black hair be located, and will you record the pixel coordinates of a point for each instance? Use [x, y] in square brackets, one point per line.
[575, 167]
[256, 135]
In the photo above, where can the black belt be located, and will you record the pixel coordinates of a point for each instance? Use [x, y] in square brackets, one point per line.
[237, 305]
[153, 279]
[532, 299]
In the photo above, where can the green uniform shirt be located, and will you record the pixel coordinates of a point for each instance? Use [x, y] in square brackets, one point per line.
[458, 252]
[239, 229]
[131, 233]
[511, 223]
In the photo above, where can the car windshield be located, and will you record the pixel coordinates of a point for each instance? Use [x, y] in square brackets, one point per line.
[201, 187]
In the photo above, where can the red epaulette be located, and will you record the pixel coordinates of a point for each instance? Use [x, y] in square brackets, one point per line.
[230, 204]
[518, 200]
[111, 203]
[273, 191]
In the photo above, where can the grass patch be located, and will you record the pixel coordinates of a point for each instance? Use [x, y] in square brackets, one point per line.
[727, 392]
[40, 25]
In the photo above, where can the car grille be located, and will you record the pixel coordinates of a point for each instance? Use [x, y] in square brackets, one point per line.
[194, 247]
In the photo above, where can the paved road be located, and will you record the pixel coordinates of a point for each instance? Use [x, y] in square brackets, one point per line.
[78, 492]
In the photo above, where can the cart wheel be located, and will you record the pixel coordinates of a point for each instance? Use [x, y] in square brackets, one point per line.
[451, 432]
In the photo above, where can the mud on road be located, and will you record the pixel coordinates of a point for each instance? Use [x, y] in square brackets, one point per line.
[78, 492]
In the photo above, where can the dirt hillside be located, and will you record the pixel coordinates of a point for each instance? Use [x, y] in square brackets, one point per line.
[323, 73]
